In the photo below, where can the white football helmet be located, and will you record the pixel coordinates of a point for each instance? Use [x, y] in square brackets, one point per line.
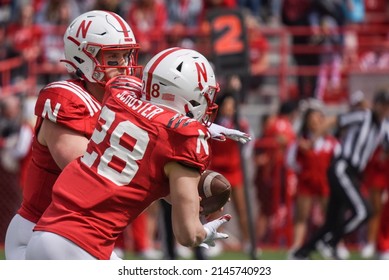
[96, 31]
[182, 80]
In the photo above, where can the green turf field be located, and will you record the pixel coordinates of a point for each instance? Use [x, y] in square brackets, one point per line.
[266, 255]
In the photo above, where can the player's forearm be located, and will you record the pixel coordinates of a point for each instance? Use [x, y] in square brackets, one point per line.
[190, 233]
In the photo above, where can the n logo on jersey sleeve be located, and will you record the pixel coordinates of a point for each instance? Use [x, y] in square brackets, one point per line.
[49, 112]
[202, 142]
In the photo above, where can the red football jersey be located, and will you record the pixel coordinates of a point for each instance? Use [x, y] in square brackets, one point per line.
[66, 103]
[122, 171]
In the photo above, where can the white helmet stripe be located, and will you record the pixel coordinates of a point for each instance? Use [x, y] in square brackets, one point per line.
[127, 37]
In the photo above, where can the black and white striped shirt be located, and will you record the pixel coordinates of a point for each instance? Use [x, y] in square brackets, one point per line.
[363, 133]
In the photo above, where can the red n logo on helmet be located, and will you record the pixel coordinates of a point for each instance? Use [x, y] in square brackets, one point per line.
[83, 28]
[201, 74]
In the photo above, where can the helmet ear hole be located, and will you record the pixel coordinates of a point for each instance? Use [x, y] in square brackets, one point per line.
[79, 59]
[194, 103]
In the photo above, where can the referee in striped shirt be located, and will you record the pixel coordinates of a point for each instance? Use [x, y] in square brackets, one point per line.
[362, 132]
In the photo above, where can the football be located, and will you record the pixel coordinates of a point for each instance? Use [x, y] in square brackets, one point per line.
[214, 190]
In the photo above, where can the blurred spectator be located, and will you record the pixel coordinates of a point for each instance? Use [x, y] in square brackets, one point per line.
[6, 9]
[148, 20]
[229, 164]
[185, 13]
[376, 56]
[275, 195]
[354, 11]
[16, 128]
[318, 23]
[263, 180]
[6, 52]
[210, 4]
[25, 36]
[183, 18]
[15, 147]
[310, 157]
[298, 13]
[6, 48]
[53, 18]
[254, 6]
[358, 101]
[274, 11]
[24, 147]
[329, 39]
[216, 4]
[258, 51]
[57, 12]
[85, 5]
[115, 6]
[10, 124]
[382, 243]
[376, 182]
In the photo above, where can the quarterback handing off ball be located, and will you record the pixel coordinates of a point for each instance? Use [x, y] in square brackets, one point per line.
[214, 190]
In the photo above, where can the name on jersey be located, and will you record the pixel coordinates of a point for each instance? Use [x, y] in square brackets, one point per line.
[146, 109]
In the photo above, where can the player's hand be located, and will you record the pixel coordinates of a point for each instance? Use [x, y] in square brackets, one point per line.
[212, 233]
[130, 83]
[220, 133]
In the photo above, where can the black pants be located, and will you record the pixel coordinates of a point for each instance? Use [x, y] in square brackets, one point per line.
[346, 209]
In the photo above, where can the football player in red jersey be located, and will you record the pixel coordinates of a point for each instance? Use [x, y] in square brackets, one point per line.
[141, 150]
[98, 46]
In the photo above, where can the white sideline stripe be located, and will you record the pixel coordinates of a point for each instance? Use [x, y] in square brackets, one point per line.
[207, 184]
[87, 100]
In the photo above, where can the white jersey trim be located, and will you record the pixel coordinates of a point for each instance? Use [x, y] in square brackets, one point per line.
[92, 105]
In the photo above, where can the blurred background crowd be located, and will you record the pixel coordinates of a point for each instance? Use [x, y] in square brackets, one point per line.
[305, 59]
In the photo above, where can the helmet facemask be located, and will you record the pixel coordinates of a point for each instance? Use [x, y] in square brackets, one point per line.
[206, 113]
[102, 65]
[128, 68]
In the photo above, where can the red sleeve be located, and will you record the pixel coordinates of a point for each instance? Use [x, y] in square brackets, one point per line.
[190, 145]
[67, 104]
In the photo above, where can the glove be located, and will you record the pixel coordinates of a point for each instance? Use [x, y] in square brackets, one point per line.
[220, 133]
[211, 230]
[130, 83]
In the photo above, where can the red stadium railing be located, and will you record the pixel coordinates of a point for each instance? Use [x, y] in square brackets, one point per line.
[369, 38]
